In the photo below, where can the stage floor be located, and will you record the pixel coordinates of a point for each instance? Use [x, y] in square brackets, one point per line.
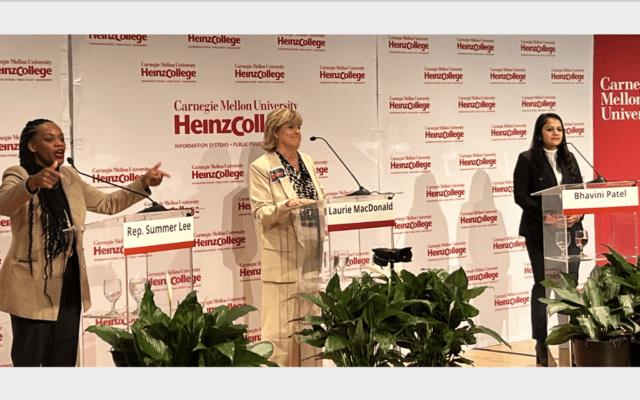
[521, 354]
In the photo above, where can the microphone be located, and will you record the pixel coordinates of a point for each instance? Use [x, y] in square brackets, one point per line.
[600, 178]
[361, 190]
[154, 206]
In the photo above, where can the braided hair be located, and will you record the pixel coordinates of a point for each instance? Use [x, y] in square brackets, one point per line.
[53, 217]
[565, 157]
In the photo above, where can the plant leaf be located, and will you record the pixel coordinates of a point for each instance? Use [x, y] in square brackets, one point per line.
[627, 303]
[490, 332]
[617, 261]
[563, 333]
[228, 315]
[571, 295]
[247, 358]
[335, 342]
[263, 349]
[474, 292]
[315, 300]
[588, 327]
[155, 349]
[458, 278]
[226, 348]
[110, 334]
[560, 307]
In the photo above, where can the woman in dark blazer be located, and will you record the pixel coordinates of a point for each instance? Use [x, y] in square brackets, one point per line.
[547, 163]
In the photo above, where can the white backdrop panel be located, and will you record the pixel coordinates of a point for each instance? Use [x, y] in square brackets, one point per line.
[198, 104]
[33, 84]
[455, 112]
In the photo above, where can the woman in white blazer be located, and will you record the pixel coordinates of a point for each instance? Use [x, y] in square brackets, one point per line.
[280, 181]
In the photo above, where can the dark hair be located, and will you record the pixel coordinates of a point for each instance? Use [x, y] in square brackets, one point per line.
[53, 217]
[565, 157]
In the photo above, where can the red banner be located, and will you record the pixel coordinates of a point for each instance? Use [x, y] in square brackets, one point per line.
[616, 120]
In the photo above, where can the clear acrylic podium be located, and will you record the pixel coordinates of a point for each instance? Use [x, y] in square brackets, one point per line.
[310, 227]
[309, 224]
[168, 271]
[355, 226]
[614, 204]
[342, 222]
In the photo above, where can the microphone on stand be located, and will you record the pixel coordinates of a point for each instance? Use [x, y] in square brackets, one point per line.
[600, 178]
[154, 206]
[361, 190]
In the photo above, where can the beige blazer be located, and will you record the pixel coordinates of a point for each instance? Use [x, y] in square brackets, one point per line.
[22, 291]
[279, 229]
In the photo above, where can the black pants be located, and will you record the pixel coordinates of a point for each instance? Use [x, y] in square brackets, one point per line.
[51, 343]
[539, 310]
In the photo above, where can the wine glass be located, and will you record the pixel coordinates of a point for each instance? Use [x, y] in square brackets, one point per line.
[112, 291]
[340, 261]
[344, 261]
[562, 241]
[582, 237]
[136, 289]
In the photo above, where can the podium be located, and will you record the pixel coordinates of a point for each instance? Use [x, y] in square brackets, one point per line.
[310, 227]
[132, 249]
[615, 204]
[355, 225]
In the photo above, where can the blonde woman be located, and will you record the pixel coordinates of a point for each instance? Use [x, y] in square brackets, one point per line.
[280, 182]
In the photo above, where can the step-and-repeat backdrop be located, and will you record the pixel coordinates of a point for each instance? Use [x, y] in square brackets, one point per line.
[34, 83]
[438, 120]
[455, 112]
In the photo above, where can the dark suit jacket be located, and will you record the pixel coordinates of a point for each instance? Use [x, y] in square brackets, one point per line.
[527, 179]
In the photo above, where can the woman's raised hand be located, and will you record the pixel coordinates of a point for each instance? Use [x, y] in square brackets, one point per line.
[47, 178]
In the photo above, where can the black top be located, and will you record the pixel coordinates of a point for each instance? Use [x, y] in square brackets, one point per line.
[301, 179]
[529, 178]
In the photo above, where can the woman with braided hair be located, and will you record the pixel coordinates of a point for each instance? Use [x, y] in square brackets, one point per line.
[43, 279]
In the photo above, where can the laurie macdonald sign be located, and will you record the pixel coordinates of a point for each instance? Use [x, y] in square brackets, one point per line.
[590, 201]
[363, 214]
[141, 237]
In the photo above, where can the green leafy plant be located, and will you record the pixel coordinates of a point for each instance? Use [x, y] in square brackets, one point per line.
[353, 327]
[599, 312]
[627, 275]
[441, 303]
[190, 338]
[399, 320]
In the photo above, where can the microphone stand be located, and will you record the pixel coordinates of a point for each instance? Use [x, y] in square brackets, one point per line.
[361, 190]
[154, 206]
[600, 178]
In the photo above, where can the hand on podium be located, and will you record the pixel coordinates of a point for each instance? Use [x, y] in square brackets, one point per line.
[558, 220]
[295, 203]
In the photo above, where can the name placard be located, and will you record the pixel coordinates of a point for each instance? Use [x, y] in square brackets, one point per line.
[601, 200]
[362, 214]
[158, 235]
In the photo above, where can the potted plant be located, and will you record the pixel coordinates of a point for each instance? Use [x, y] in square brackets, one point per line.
[628, 276]
[599, 318]
[441, 302]
[353, 327]
[190, 338]
[396, 320]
